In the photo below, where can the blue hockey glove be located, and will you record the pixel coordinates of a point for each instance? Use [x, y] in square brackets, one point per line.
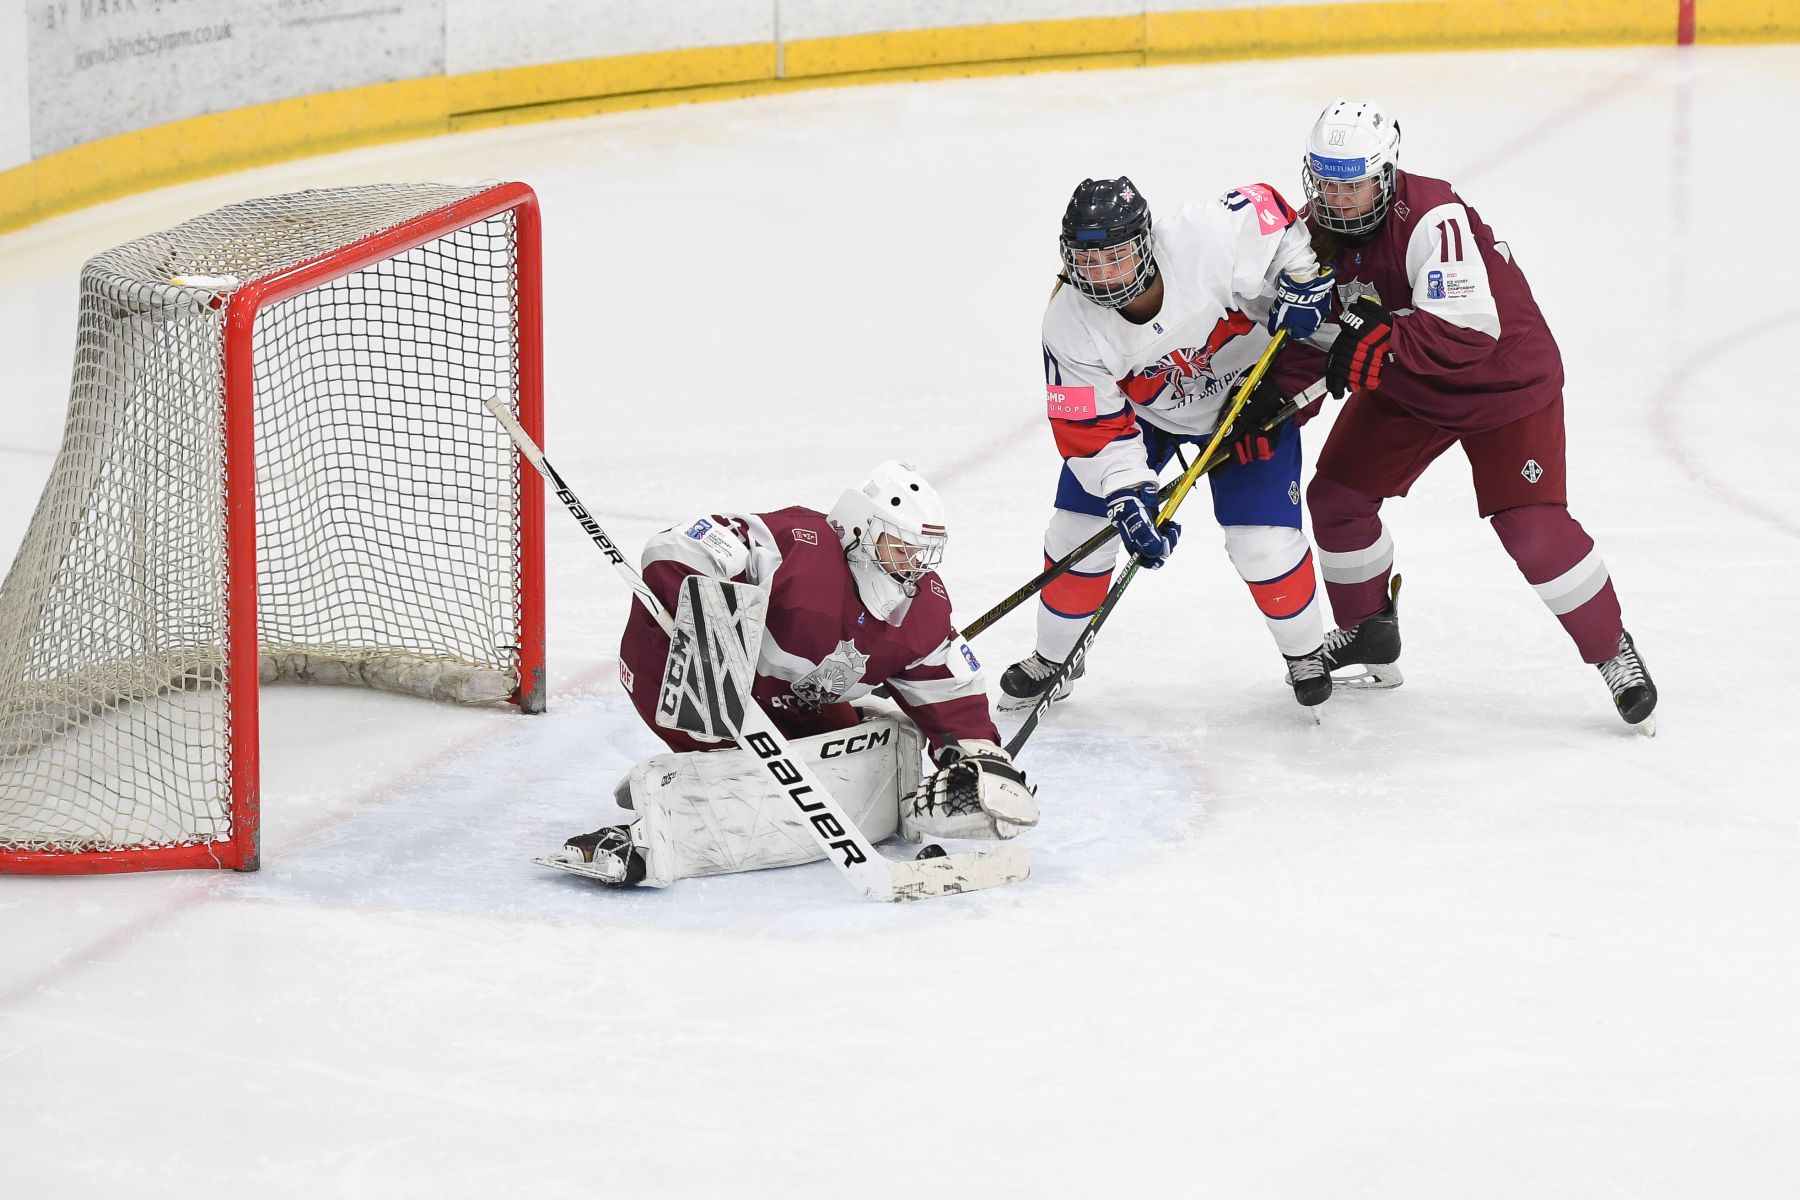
[1133, 512]
[1301, 308]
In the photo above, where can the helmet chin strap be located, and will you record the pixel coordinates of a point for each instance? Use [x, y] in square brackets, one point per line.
[881, 593]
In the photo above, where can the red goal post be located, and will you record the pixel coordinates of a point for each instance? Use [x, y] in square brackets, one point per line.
[277, 465]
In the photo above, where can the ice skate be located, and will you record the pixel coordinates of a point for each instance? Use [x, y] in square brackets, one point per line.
[1308, 675]
[1633, 693]
[1026, 680]
[605, 854]
[1367, 654]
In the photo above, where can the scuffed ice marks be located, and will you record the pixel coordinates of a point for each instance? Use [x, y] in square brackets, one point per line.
[460, 835]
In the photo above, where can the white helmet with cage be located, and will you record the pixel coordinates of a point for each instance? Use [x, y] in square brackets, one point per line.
[892, 531]
[1353, 140]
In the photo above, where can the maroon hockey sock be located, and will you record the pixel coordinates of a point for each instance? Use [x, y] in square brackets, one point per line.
[1355, 556]
[1560, 562]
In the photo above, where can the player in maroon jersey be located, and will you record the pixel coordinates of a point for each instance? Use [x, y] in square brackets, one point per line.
[1440, 343]
[854, 603]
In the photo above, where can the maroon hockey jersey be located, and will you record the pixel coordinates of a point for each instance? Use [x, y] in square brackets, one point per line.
[1471, 350]
[821, 647]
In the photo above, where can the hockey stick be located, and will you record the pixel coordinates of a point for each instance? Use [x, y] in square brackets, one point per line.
[874, 875]
[1102, 536]
[1182, 487]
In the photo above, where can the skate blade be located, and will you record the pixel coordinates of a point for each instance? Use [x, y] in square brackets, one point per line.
[1022, 704]
[585, 870]
[1373, 677]
[1647, 726]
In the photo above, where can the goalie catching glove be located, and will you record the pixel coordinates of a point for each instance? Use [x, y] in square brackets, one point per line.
[976, 792]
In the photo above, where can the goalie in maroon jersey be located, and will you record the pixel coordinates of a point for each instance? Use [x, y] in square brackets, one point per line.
[854, 602]
[1440, 343]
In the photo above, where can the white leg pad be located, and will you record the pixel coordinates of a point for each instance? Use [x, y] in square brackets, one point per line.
[1261, 552]
[1057, 634]
[718, 812]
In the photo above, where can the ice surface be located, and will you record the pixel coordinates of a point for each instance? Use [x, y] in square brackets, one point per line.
[1471, 938]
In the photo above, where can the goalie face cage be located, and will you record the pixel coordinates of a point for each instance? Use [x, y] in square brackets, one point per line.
[277, 464]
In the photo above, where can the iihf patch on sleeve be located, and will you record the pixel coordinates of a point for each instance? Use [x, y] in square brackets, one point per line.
[1070, 403]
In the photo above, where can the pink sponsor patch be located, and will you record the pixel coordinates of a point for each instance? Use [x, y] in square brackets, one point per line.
[1070, 403]
[1270, 217]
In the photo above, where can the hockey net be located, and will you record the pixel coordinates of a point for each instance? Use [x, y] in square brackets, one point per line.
[276, 465]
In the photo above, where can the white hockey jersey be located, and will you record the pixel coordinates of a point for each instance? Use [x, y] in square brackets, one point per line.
[1218, 261]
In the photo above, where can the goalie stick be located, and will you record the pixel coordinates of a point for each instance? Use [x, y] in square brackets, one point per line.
[871, 873]
[1102, 536]
[1183, 485]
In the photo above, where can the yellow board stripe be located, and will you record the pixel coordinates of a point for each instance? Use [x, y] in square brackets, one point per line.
[331, 121]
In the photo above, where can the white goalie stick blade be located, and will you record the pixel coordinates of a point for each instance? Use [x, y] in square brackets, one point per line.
[874, 875]
[948, 874]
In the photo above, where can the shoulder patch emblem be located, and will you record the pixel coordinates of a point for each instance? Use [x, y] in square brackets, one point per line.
[807, 536]
[937, 589]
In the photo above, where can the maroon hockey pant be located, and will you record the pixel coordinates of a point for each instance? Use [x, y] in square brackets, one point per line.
[1377, 450]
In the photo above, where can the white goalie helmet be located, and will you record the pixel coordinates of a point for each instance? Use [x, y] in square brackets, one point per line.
[1352, 141]
[892, 531]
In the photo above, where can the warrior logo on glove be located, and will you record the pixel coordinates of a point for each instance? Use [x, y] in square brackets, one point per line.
[1361, 350]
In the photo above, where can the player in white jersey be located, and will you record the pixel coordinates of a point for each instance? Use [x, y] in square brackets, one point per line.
[1147, 335]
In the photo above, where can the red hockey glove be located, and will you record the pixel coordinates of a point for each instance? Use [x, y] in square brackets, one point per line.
[1361, 349]
[1251, 441]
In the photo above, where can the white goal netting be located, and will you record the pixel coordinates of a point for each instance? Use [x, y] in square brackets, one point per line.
[386, 506]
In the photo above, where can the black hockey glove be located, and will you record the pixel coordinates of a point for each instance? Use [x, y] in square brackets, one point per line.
[1133, 512]
[1251, 440]
[1361, 350]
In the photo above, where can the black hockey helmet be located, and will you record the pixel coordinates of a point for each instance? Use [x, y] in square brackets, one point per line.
[1105, 228]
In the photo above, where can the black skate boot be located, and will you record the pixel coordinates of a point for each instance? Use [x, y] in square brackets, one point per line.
[1024, 682]
[1633, 693]
[1373, 644]
[1308, 675]
[605, 854]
